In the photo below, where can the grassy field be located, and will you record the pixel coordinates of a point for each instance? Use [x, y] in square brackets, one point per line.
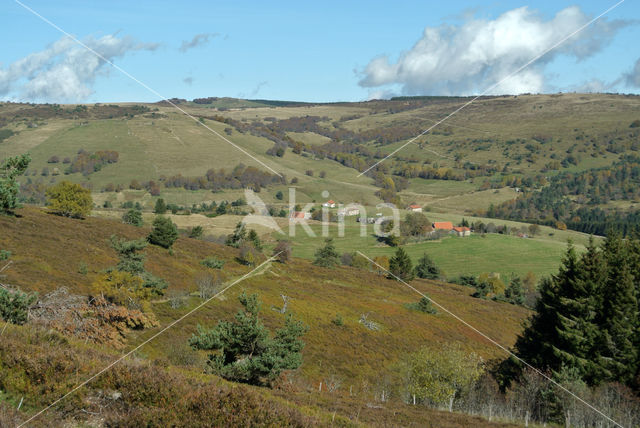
[48, 249]
[456, 256]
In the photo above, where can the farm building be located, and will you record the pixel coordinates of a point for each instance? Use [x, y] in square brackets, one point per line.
[349, 211]
[301, 215]
[462, 231]
[442, 225]
[415, 208]
[330, 204]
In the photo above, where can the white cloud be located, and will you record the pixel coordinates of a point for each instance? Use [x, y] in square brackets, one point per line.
[198, 40]
[64, 71]
[468, 59]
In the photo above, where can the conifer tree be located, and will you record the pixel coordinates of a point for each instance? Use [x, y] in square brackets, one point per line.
[400, 266]
[619, 313]
[426, 268]
[327, 256]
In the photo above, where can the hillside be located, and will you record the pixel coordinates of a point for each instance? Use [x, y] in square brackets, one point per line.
[47, 252]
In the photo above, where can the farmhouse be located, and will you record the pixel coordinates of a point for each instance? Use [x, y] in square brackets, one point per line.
[301, 215]
[329, 204]
[348, 211]
[462, 231]
[442, 225]
[415, 208]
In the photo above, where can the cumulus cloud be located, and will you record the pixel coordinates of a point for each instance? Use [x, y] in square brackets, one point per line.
[198, 40]
[632, 79]
[64, 71]
[467, 59]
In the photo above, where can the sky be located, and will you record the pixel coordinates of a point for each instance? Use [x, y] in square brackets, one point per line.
[314, 51]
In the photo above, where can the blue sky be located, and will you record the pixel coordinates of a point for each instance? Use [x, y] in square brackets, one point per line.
[313, 51]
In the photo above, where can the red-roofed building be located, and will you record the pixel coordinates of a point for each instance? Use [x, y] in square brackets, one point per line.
[330, 204]
[462, 231]
[442, 225]
[301, 215]
[415, 208]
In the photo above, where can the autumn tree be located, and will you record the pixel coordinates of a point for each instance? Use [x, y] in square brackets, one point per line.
[441, 374]
[69, 200]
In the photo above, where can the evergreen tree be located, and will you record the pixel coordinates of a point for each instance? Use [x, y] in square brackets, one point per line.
[160, 207]
[619, 313]
[400, 266]
[248, 353]
[10, 169]
[238, 236]
[133, 217]
[253, 237]
[426, 268]
[327, 256]
[14, 305]
[164, 232]
[514, 292]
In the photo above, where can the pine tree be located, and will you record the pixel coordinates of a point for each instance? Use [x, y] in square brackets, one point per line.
[545, 342]
[619, 313]
[10, 169]
[514, 292]
[426, 268]
[164, 232]
[253, 237]
[327, 256]
[248, 353]
[400, 266]
[160, 207]
[238, 236]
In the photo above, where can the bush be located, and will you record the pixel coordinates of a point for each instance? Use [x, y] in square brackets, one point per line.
[69, 200]
[282, 251]
[248, 255]
[423, 305]
[196, 232]
[164, 232]
[4, 255]
[212, 262]
[133, 217]
[14, 305]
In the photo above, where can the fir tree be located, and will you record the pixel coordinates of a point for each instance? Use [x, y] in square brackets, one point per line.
[426, 268]
[238, 236]
[160, 207]
[164, 232]
[400, 266]
[619, 313]
[327, 256]
[514, 292]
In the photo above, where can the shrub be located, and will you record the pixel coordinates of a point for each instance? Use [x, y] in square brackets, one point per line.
[133, 217]
[4, 255]
[282, 251]
[69, 200]
[164, 232]
[14, 305]
[212, 262]
[338, 320]
[196, 232]
[423, 305]
[248, 255]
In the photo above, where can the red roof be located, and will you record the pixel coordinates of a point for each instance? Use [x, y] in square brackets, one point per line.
[330, 202]
[298, 214]
[414, 206]
[443, 225]
[462, 229]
